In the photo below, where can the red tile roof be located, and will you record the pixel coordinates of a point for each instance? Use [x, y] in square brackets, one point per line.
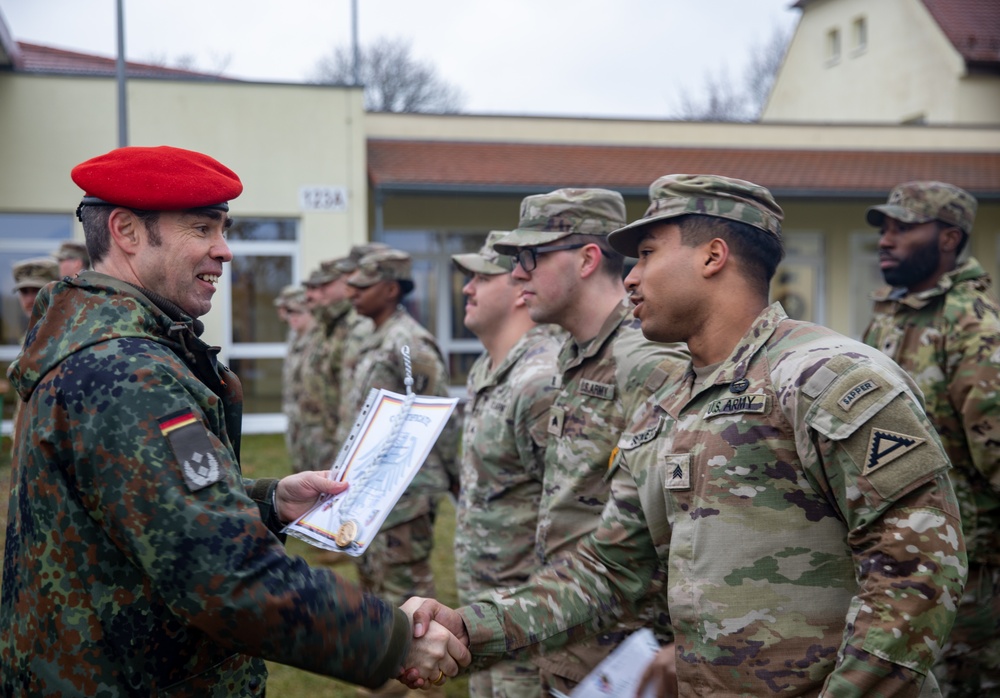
[972, 26]
[35, 58]
[532, 167]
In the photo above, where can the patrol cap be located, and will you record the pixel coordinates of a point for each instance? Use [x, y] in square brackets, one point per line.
[35, 272]
[487, 261]
[546, 218]
[923, 202]
[677, 195]
[383, 265]
[286, 294]
[161, 178]
[328, 270]
[359, 251]
[73, 250]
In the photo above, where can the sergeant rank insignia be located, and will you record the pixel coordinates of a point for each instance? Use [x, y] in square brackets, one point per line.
[194, 451]
[886, 446]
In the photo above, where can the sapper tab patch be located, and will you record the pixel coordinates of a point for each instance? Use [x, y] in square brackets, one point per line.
[756, 403]
[848, 399]
[886, 446]
[189, 441]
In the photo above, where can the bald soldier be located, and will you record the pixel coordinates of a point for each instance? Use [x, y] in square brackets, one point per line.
[787, 478]
[138, 560]
[938, 319]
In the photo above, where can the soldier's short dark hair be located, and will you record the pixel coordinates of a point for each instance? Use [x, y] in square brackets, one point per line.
[612, 262]
[758, 251]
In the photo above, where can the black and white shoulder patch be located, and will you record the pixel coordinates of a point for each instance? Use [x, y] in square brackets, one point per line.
[189, 441]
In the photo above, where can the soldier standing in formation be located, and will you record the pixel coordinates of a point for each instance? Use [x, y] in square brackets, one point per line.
[503, 448]
[138, 560]
[787, 479]
[324, 382]
[938, 320]
[570, 276]
[72, 257]
[397, 563]
[293, 310]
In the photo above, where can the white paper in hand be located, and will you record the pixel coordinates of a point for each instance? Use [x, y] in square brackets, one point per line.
[618, 675]
[391, 440]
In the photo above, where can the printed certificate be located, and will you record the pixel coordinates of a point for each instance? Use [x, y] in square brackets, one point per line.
[391, 439]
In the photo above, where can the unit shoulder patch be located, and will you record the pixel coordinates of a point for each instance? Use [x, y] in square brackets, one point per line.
[885, 446]
[188, 439]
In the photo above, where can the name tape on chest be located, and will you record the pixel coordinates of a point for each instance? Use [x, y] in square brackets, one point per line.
[189, 441]
[754, 403]
[635, 439]
[603, 391]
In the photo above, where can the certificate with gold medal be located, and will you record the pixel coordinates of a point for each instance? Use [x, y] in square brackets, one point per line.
[391, 439]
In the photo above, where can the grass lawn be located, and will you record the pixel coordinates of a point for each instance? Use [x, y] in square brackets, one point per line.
[264, 456]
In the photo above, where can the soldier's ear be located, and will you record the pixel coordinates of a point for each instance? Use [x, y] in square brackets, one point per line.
[123, 226]
[950, 239]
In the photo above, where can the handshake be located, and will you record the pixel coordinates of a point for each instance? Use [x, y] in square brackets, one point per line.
[439, 647]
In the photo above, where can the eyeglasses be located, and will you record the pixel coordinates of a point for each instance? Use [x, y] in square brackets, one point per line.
[527, 257]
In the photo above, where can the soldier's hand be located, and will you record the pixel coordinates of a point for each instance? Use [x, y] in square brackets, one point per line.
[434, 657]
[660, 677]
[425, 614]
[297, 494]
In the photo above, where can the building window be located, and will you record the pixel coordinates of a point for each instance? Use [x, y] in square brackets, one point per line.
[859, 35]
[437, 302]
[833, 46]
[265, 260]
[22, 235]
[799, 281]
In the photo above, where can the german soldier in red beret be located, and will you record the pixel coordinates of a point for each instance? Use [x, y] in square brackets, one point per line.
[138, 560]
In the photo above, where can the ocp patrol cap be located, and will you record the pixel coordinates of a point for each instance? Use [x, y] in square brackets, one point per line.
[487, 261]
[161, 178]
[383, 265]
[923, 202]
[35, 272]
[546, 218]
[675, 195]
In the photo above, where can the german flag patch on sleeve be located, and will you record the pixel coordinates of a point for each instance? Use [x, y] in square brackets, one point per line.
[189, 441]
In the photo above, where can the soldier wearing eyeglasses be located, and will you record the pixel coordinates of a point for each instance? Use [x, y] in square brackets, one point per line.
[572, 277]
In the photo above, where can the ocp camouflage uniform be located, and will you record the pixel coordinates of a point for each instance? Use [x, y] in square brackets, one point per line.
[138, 560]
[397, 563]
[294, 379]
[800, 501]
[320, 400]
[948, 339]
[503, 449]
[601, 382]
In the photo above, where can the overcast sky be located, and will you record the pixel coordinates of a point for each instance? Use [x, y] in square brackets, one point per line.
[623, 58]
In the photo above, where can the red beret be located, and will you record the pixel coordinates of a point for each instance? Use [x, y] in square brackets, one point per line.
[157, 179]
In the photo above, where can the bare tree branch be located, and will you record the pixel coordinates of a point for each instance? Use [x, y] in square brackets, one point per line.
[722, 99]
[394, 81]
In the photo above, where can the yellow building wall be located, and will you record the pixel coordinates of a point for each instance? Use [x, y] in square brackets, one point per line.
[906, 71]
[276, 137]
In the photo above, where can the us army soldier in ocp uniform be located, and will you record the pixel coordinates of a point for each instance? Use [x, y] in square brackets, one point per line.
[503, 447]
[571, 277]
[939, 320]
[788, 479]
